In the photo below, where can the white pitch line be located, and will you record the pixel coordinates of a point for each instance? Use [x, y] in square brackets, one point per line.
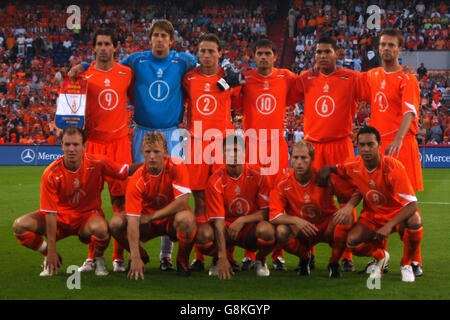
[443, 203]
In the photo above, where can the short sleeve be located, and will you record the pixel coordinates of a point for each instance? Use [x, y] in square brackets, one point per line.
[49, 194]
[134, 196]
[214, 201]
[277, 203]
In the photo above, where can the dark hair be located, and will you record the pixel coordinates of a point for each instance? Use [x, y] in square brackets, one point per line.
[266, 43]
[329, 41]
[211, 37]
[72, 131]
[394, 33]
[105, 32]
[234, 140]
[163, 24]
[370, 130]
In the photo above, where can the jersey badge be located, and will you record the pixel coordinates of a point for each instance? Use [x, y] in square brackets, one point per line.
[326, 88]
[266, 85]
[237, 190]
[307, 198]
[107, 82]
[159, 73]
[207, 87]
[383, 84]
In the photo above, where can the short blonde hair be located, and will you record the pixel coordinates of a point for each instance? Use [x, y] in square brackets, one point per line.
[303, 143]
[154, 137]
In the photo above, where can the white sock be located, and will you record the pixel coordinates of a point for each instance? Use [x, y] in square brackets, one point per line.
[166, 247]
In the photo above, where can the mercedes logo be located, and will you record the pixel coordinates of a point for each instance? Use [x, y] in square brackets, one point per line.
[27, 155]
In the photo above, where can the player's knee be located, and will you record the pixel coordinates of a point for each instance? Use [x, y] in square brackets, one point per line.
[282, 233]
[414, 222]
[18, 226]
[185, 220]
[99, 228]
[353, 239]
[205, 234]
[265, 230]
[116, 225]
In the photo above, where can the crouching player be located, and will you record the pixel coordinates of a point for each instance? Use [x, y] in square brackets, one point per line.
[70, 203]
[305, 214]
[237, 200]
[389, 203]
[157, 204]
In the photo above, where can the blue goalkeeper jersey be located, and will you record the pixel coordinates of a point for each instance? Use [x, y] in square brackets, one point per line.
[158, 96]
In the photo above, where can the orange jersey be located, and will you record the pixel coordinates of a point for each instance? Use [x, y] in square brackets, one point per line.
[263, 100]
[309, 202]
[106, 104]
[207, 103]
[229, 198]
[391, 95]
[330, 104]
[385, 190]
[147, 193]
[72, 194]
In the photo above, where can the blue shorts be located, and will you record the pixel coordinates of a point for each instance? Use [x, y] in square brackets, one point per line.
[173, 135]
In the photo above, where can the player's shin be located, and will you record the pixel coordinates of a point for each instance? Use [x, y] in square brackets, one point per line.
[339, 242]
[100, 245]
[33, 241]
[264, 248]
[411, 246]
[186, 242]
[295, 247]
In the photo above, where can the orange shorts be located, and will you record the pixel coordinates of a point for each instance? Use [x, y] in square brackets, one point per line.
[64, 230]
[271, 156]
[158, 228]
[332, 153]
[200, 164]
[373, 223]
[118, 150]
[322, 234]
[409, 156]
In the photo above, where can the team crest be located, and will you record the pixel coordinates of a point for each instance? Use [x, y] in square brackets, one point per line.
[76, 183]
[207, 87]
[326, 88]
[372, 184]
[107, 82]
[266, 85]
[237, 190]
[159, 73]
[307, 198]
[383, 84]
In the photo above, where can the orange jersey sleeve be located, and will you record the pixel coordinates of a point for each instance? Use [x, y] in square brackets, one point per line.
[385, 190]
[207, 104]
[392, 96]
[146, 193]
[308, 201]
[228, 198]
[71, 194]
[264, 99]
[330, 104]
[106, 104]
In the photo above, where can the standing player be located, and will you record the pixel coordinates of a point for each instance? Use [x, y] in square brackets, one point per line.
[158, 99]
[389, 203]
[330, 101]
[107, 124]
[305, 214]
[208, 111]
[70, 203]
[394, 97]
[237, 203]
[157, 203]
[263, 101]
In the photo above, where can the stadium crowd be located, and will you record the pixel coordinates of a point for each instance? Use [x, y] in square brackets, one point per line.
[36, 50]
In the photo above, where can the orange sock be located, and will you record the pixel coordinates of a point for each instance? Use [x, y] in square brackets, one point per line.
[313, 250]
[250, 254]
[100, 245]
[92, 253]
[198, 254]
[117, 251]
[369, 249]
[295, 247]
[411, 246]
[277, 252]
[264, 248]
[185, 244]
[208, 248]
[33, 241]
[339, 244]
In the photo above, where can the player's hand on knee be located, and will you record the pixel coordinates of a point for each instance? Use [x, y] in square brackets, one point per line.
[233, 78]
[136, 269]
[383, 232]
[343, 216]
[234, 229]
[307, 228]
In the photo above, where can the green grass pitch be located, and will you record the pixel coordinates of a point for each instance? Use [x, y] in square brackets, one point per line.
[19, 276]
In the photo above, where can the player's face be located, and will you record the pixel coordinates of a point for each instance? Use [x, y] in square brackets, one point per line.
[368, 147]
[301, 160]
[325, 56]
[234, 155]
[154, 155]
[208, 54]
[389, 48]
[264, 58]
[104, 48]
[73, 148]
[160, 42]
